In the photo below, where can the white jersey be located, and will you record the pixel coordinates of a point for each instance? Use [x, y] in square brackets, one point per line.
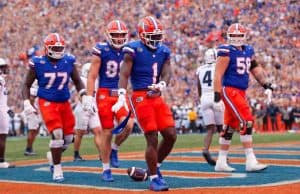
[4, 119]
[3, 94]
[206, 75]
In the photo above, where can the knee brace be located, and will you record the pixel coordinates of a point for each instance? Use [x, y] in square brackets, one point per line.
[68, 139]
[227, 132]
[57, 139]
[219, 128]
[246, 128]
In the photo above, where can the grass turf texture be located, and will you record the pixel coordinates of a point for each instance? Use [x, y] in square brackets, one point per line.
[15, 146]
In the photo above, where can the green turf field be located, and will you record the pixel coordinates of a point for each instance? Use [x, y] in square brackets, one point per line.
[15, 146]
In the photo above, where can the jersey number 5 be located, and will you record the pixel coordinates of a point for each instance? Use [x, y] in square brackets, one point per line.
[243, 65]
[207, 78]
[53, 76]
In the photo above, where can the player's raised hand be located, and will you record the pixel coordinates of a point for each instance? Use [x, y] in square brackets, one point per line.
[121, 101]
[159, 86]
[28, 108]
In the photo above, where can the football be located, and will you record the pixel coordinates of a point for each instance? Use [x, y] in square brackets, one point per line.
[137, 174]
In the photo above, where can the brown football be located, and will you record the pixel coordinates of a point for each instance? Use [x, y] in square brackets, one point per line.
[137, 174]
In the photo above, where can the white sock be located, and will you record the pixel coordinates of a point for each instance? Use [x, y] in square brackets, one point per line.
[158, 165]
[223, 155]
[114, 146]
[105, 166]
[250, 154]
[153, 177]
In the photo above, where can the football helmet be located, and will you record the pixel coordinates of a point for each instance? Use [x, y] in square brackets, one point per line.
[54, 46]
[117, 33]
[3, 67]
[210, 56]
[151, 32]
[236, 34]
[85, 70]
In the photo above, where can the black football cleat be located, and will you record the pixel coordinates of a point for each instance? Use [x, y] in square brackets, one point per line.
[209, 159]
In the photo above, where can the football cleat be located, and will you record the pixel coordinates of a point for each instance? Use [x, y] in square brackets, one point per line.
[78, 158]
[58, 178]
[58, 174]
[208, 158]
[6, 165]
[114, 161]
[223, 167]
[255, 167]
[157, 185]
[29, 153]
[107, 176]
[160, 176]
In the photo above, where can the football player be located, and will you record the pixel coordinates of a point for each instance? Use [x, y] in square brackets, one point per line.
[53, 72]
[234, 64]
[212, 117]
[85, 120]
[4, 119]
[33, 121]
[147, 63]
[106, 62]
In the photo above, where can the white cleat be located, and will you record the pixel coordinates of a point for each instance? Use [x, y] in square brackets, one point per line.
[58, 174]
[223, 167]
[6, 165]
[58, 178]
[255, 167]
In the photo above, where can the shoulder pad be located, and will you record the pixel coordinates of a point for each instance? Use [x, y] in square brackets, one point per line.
[223, 50]
[99, 48]
[70, 57]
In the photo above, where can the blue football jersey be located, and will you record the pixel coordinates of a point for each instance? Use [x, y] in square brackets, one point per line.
[53, 79]
[147, 63]
[237, 72]
[111, 59]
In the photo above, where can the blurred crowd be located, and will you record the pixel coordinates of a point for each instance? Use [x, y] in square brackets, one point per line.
[190, 28]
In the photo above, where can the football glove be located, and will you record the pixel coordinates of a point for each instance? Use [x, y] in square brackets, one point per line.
[121, 101]
[160, 86]
[28, 108]
[268, 91]
[88, 104]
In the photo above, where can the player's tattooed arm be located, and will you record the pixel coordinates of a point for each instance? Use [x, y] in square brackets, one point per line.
[258, 73]
[166, 72]
[29, 79]
[125, 71]
[77, 81]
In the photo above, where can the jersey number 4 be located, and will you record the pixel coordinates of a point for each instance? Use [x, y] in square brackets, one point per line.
[53, 76]
[207, 78]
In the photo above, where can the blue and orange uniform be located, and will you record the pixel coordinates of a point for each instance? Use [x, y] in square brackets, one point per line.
[151, 110]
[107, 94]
[53, 91]
[235, 82]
